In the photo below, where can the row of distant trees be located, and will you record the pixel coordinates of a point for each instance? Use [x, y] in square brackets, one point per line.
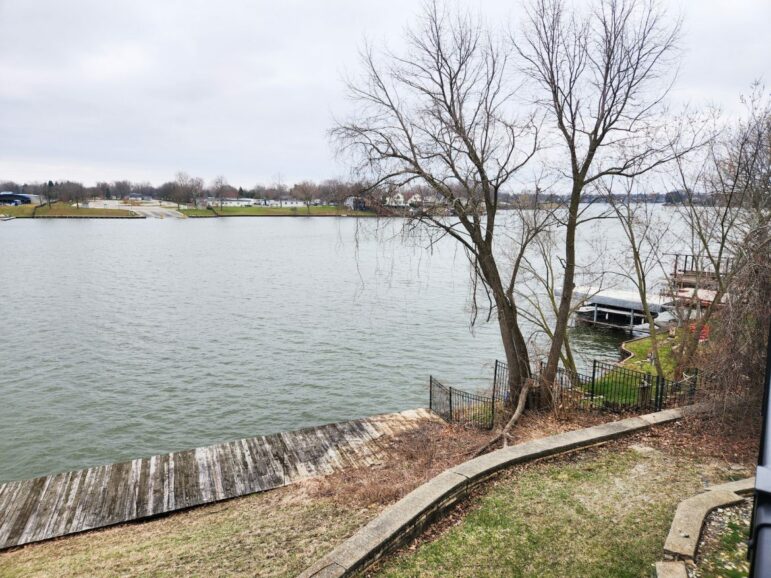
[186, 189]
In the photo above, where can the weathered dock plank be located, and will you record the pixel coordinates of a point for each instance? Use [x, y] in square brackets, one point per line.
[71, 502]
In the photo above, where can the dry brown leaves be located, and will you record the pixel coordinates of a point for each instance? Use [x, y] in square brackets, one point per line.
[415, 457]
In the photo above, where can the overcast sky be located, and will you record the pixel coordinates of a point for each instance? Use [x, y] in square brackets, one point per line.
[104, 90]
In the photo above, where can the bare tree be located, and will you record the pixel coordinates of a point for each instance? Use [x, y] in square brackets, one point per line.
[726, 203]
[540, 285]
[305, 191]
[71, 192]
[11, 187]
[645, 227]
[186, 189]
[440, 115]
[121, 189]
[598, 77]
[218, 187]
[103, 189]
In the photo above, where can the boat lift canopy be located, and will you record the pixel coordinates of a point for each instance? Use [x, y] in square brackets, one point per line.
[620, 299]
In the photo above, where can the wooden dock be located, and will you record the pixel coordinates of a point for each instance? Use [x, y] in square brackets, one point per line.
[70, 502]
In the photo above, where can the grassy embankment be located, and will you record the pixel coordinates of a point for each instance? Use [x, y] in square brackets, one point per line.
[20, 211]
[640, 348]
[320, 211]
[63, 210]
[618, 387]
[599, 513]
[275, 533]
[197, 212]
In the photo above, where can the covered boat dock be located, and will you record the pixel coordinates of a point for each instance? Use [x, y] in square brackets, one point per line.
[617, 308]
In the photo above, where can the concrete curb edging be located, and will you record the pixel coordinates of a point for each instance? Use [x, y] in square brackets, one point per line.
[626, 352]
[685, 532]
[407, 517]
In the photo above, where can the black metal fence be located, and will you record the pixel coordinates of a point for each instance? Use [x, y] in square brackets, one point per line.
[614, 388]
[501, 382]
[458, 406]
[610, 387]
[619, 388]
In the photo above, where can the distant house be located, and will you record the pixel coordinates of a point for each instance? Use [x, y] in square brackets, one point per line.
[431, 200]
[396, 200]
[355, 203]
[240, 202]
[9, 198]
[414, 199]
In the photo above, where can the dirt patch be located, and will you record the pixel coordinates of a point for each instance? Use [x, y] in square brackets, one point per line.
[413, 458]
[698, 437]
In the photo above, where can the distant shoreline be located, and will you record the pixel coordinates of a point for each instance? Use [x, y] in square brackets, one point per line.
[283, 215]
[66, 211]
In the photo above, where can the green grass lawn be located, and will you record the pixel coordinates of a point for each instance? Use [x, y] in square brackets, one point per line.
[616, 389]
[640, 349]
[197, 212]
[598, 514]
[67, 210]
[62, 210]
[20, 211]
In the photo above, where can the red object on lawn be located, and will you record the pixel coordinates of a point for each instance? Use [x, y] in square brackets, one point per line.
[704, 335]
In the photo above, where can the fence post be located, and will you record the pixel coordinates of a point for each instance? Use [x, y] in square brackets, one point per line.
[694, 383]
[450, 396]
[659, 392]
[431, 392]
[492, 408]
[594, 376]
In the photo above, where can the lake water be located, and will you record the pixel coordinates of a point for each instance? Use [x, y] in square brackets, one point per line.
[121, 339]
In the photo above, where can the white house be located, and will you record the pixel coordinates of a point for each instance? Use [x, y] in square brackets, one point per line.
[242, 202]
[396, 200]
[415, 200]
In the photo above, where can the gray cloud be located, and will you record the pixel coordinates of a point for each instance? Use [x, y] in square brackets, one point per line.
[95, 90]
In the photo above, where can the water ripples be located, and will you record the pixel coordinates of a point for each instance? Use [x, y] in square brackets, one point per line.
[135, 338]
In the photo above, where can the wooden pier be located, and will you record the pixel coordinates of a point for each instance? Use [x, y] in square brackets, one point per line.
[70, 502]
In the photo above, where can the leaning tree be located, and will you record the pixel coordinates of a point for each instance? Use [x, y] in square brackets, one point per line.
[441, 115]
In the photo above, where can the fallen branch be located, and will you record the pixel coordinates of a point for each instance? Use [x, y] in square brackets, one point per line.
[504, 434]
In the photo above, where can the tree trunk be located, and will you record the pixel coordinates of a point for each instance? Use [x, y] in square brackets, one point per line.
[514, 344]
[515, 347]
[653, 333]
[563, 313]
